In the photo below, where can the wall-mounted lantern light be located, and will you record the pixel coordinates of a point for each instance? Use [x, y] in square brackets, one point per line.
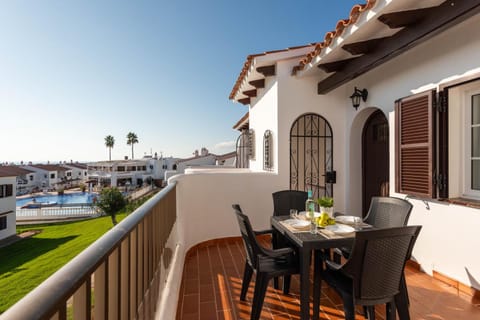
[357, 95]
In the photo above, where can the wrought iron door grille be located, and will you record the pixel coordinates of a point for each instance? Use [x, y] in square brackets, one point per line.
[243, 150]
[311, 155]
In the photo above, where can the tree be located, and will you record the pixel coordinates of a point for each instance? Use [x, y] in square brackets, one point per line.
[131, 140]
[109, 142]
[111, 201]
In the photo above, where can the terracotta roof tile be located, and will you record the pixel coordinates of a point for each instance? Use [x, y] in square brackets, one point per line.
[355, 13]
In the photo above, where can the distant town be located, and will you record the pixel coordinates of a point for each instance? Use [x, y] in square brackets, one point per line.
[150, 169]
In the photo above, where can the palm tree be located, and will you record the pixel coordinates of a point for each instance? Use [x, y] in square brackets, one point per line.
[109, 142]
[131, 140]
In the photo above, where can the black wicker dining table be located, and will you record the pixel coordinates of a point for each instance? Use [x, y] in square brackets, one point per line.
[316, 243]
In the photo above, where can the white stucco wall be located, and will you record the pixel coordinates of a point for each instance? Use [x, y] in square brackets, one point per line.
[8, 204]
[262, 117]
[446, 241]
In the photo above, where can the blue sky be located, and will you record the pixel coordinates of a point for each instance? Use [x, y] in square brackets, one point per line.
[73, 72]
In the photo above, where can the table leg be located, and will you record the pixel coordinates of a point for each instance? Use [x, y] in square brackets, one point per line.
[317, 283]
[401, 300]
[305, 255]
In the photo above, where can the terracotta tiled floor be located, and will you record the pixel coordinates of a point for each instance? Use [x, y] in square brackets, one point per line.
[212, 280]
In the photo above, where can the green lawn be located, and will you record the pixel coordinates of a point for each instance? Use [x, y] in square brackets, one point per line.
[27, 263]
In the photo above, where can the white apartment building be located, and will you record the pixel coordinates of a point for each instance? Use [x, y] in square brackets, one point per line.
[7, 204]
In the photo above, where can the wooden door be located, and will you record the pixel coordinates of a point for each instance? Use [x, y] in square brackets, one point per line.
[375, 158]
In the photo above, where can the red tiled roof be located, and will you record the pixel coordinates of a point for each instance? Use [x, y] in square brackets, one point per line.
[10, 171]
[248, 63]
[318, 47]
[331, 35]
[49, 167]
[242, 123]
[76, 165]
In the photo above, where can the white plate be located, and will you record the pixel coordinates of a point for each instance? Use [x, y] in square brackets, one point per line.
[315, 214]
[297, 223]
[345, 219]
[340, 229]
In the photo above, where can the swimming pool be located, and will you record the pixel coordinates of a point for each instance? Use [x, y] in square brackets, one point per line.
[70, 198]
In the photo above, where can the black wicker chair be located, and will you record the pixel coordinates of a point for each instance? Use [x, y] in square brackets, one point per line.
[283, 201]
[265, 262]
[373, 273]
[384, 212]
[388, 212]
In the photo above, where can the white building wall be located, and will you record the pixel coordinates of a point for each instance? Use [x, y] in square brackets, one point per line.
[446, 241]
[8, 204]
[200, 161]
[262, 117]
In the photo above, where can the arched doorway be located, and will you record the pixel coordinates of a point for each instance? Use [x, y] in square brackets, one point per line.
[311, 155]
[375, 158]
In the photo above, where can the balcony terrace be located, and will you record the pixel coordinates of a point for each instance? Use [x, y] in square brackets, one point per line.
[179, 257]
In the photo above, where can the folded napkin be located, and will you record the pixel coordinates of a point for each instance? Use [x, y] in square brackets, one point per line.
[328, 234]
[288, 224]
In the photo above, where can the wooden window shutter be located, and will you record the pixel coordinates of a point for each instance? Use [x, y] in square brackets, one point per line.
[415, 145]
[442, 181]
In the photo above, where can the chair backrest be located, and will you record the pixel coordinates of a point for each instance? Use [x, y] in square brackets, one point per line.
[252, 247]
[377, 262]
[388, 212]
[285, 200]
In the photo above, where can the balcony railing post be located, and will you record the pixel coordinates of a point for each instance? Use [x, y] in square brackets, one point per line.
[101, 291]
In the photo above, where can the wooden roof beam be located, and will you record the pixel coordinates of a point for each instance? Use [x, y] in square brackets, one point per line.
[363, 47]
[260, 83]
[335, 65]
[407, 18]
[444, 16]
[267, 71]
[244, 101]
[250, 93]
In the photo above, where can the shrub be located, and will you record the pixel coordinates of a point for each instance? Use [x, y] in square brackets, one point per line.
[111, 201]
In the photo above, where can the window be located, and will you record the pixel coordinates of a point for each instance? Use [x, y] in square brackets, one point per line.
[267, 151]
[52, 175]
[120, 168]
[472, 144]
[3, 223]
[30, 177]
[69, 174]
[6, 190]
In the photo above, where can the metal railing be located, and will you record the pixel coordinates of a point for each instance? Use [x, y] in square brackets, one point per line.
[62, 211]
[117, 277]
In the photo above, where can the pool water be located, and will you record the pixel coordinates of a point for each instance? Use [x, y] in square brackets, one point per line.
[70, 198]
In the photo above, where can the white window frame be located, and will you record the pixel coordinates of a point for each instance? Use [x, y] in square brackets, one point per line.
[468, 192]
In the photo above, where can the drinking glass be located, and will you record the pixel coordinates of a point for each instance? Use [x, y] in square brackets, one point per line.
[357, 221]
[293, 213]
